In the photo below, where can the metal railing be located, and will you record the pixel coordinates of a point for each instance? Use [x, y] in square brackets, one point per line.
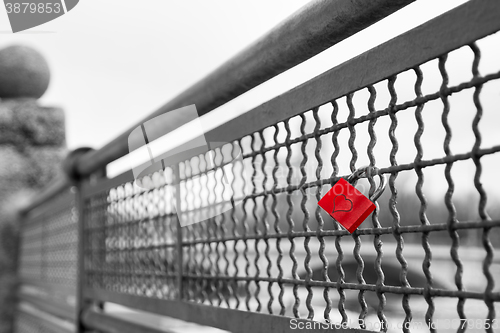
[275, 255]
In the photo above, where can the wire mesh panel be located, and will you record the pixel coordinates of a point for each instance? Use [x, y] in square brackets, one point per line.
[49, 244]
[48, 264]
[239, 227]
[130, 240]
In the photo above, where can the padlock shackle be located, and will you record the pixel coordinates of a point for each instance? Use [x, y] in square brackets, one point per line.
[369, 172]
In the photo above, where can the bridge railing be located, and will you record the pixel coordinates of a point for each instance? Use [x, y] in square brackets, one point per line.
[273, 258]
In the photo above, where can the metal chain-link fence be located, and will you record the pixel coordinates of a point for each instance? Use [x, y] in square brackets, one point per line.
[270, 249]
[234, 238]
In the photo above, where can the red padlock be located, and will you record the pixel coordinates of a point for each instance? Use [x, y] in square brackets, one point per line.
[346, 204]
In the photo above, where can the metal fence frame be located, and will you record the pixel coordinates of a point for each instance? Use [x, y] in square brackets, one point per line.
[459, 27]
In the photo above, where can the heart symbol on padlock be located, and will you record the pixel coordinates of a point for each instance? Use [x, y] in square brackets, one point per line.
[342, 204]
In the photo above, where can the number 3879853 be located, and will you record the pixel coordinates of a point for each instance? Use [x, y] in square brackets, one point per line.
[30, 7]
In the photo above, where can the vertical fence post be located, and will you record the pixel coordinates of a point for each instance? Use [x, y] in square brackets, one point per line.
[69, 167]
[179, 230]
[80, 305]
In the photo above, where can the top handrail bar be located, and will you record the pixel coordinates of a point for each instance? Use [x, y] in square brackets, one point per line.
[312, 29]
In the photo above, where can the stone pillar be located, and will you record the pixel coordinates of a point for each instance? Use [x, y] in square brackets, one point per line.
[32, 146]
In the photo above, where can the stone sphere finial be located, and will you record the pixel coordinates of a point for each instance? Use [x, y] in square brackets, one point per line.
[24, 72]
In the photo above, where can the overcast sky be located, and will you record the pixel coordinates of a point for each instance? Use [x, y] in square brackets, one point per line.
[115, 61]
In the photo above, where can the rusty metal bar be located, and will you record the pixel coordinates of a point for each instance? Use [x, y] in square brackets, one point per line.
[225, 319]
[359, 232]
[314, 28]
